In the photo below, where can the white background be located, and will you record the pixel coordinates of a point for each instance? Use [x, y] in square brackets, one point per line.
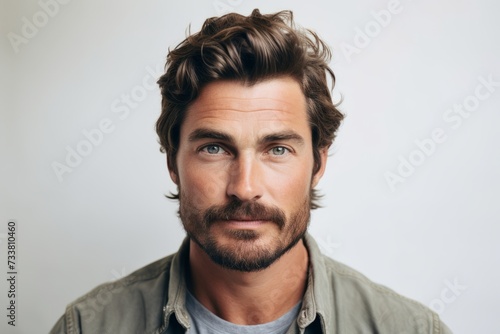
[108, 216]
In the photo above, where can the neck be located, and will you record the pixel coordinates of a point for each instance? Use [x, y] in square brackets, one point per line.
[249, 298]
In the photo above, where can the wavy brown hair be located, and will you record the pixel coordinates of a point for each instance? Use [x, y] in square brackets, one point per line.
[249, 49]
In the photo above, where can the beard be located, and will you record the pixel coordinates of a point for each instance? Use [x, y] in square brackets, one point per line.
[246, 252]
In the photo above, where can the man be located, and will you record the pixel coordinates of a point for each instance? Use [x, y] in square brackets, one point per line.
[247, 120]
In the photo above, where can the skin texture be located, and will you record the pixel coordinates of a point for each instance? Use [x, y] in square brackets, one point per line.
[244, 171]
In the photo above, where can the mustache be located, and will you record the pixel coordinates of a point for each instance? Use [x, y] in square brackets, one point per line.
[238, 210]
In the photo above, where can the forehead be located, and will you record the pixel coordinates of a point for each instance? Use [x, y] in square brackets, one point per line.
[273, 102]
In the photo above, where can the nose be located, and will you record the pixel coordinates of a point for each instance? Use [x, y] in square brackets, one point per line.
[245, 178]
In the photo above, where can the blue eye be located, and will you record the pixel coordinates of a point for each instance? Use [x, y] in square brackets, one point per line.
[213, 149]
[279, 150]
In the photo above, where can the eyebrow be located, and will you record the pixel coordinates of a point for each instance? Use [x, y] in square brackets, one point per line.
[203, 133]
[283, 136]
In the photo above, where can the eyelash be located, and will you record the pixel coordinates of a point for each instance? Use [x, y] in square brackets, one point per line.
[206, 147]
[286, 150]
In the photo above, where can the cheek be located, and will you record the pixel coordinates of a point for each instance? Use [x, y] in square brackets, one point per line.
[201, 186]
[290, 186]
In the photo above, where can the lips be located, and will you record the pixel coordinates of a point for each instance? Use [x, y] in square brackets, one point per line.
[246, 219]
[245, 224]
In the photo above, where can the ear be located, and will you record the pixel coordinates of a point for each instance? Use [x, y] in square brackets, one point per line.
[323, 153]
[172, 171]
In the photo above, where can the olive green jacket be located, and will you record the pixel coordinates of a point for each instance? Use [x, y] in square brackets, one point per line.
[338, 300]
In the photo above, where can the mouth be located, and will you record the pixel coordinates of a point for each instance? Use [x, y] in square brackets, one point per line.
[240, 222]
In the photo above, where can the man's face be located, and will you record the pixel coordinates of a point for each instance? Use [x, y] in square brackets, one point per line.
[244, 171]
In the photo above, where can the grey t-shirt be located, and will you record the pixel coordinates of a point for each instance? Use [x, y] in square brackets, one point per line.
[205, 322]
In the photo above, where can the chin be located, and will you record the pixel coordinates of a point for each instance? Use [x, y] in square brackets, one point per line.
[246, 251]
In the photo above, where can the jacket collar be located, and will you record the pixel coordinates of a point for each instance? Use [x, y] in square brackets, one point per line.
[177, 288]
[318, 299]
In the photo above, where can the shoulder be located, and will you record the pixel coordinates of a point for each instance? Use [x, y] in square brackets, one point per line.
[359, 301]
[135, 300]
